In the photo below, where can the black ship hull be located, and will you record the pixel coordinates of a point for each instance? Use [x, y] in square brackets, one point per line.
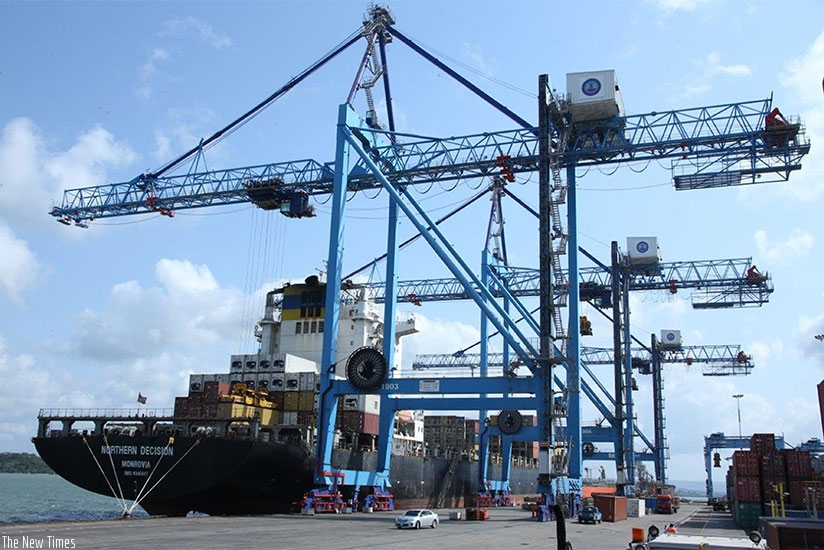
[219, 476]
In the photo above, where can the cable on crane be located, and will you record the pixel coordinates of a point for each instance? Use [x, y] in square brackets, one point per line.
[257, 109]
[482, 74]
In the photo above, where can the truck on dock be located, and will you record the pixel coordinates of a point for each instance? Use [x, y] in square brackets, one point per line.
[667, 504]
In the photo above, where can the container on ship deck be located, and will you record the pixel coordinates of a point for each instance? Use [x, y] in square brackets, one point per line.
[291, 401]
[291, 381]
[359, 422]
[181, 406]
[306, 401]
[212, 390]
[307, 418]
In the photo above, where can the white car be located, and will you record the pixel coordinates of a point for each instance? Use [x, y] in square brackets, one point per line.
[415, 519]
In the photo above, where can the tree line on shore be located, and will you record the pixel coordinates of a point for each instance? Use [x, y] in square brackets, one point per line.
[23, 463]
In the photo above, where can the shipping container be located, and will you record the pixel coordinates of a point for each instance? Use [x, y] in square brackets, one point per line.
[359, 422]
[798, 463]
[747, 489]
[746, 514]
[291, 381]
[362, 403]
[762, 443]
[309, 381]
[773, 466]
[806, 494]
[195, 383]
[289, 418]
[746, 463]
[307, 418]
[212, 390]
[792, 533]
[291, 401]
[306, 401]
[613, 508]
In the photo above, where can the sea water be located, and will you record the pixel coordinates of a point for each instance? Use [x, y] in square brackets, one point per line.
[27, 498]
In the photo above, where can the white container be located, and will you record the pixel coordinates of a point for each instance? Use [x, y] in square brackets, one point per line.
[278, 362]
[236, 364]
[594, 95]
[643, 250]
[308, 381]
[362, 403]
[293, 363]
[275, 382]
[195, 383]
[250, 363]
[291, 381]
[289, 418]
[635, 508]
[670, 339]
[262, 381]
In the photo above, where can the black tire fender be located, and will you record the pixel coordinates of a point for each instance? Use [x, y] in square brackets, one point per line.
[366, 368]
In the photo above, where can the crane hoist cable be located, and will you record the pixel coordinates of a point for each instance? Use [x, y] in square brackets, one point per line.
[257, 109]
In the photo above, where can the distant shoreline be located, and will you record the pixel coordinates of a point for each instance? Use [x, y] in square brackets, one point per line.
[23, 463]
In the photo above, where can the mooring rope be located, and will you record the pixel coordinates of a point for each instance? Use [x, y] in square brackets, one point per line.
[136, 502]
[146, 483]
[105, 477]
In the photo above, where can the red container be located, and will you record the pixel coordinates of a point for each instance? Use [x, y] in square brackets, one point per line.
[359, 422]
[799, 495]
[798, 463]
[212, 390]
[762, 443]
[181, 406]
[746, 463]
[307, 418]
[773, 466]
[747, 489]
[798, 533]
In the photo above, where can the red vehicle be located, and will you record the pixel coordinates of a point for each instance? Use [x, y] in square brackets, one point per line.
[667, 504]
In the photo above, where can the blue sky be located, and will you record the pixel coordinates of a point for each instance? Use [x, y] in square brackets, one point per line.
[98, 92]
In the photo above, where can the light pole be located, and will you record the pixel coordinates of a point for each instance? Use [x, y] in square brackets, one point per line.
[738, 397]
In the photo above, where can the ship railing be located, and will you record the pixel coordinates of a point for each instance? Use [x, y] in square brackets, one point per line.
[113, 414]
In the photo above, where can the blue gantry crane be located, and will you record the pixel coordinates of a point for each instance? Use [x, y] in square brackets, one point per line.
[722, 145]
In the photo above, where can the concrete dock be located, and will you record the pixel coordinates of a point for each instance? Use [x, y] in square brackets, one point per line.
[505, 528]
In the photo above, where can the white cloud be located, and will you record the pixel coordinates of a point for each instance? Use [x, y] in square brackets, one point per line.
[477, 59]
[191, 26]
[183, 132]
[33, 176]
[185, 315]
[20, 269]
[676, 5]
[149, 68]
[797, 245]
[715, 66]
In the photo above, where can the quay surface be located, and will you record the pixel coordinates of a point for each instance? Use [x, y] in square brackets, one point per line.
[505, 528]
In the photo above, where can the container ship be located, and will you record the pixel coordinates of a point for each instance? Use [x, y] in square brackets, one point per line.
[242, 442]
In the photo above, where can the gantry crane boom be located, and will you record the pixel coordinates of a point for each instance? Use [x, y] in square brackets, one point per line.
[732, 131]
[721, 282]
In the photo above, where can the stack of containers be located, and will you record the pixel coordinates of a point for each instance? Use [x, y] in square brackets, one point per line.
[760, 476]
[202, 402]
[359, 414]
[744, 488]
